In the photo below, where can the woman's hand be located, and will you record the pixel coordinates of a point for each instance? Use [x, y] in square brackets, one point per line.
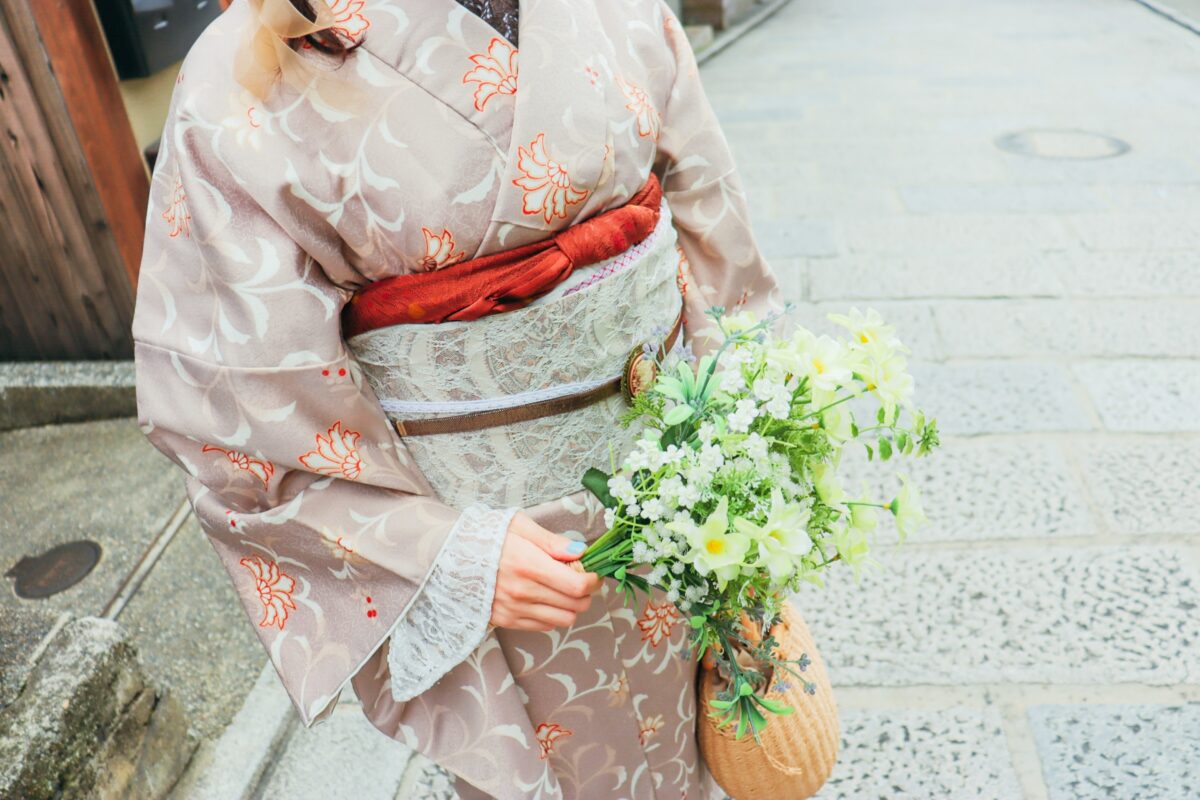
[535, 589]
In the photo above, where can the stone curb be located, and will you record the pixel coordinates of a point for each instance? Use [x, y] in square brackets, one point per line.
[87, 723]
[48, 392]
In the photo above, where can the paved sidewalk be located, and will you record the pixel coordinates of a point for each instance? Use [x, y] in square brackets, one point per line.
[1041, 639]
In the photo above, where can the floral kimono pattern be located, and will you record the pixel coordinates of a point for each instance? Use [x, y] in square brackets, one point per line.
[266, 216]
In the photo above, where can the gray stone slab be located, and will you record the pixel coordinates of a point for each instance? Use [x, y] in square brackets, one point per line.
[97, 480]
[44, 393]
[343, 757]
[999, 397]
[1145, 485]
[977, 489]
[1001, 199]
[963, 234]
[1006, 328]
[921, 275]
[1103, 751]
[895, 754]
[1145, 273]
[798, 238]
[205, 648]
[1153, 396]
[1126, 231]
[1029, 614]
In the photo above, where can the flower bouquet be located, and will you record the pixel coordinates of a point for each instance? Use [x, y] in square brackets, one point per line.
[732, 496]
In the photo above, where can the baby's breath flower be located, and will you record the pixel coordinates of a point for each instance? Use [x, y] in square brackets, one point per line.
[610, 516]
[744, 413]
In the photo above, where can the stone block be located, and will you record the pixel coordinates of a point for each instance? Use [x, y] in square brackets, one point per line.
[1008, 328]
[1145, 485]
[962, 234]
[45, 393]
[999, 397]
[1105, 751]
[978, 489]
[1137, 232]
[1029, 614]
[1155, 396]
[919, 275]
[1001, 199]
[87, 725]
[952, 753]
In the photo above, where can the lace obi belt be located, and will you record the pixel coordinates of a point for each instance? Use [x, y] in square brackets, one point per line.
[575, 337]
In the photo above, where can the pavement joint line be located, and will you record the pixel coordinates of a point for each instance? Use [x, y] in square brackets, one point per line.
[1170, 14]
[1093, 508]
[1023, 751]
[732, 34]
[1131, 540]
[61, 620]
[153, 552]
[941, 697]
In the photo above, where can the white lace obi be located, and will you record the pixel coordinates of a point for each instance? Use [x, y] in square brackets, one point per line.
[574, 337]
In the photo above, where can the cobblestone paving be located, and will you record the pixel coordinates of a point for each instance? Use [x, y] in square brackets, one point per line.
[1041, 639]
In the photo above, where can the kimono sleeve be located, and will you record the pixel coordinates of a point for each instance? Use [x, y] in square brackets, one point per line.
[332, 537]
[720, 260]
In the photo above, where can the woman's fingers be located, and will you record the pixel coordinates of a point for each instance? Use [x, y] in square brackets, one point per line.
[526, 590]
[560, 547]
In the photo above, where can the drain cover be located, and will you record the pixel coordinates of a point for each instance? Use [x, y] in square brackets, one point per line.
[55, 570]
[1066, 145]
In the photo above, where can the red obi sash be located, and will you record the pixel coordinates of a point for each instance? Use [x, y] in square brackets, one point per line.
[506, 280]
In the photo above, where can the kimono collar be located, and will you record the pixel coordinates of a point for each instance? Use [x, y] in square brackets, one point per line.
[265, 57]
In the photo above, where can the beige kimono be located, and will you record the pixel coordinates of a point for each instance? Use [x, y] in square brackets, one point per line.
[266, 216]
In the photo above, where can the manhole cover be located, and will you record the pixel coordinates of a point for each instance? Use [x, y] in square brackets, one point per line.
[1066, 145]
[55, 570]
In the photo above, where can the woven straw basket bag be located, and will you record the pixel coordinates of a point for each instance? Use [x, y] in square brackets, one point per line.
[795, 752]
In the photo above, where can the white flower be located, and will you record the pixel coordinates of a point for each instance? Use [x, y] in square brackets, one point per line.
[610, 516]
[744, 413]
[825, 481]
[890, 382]
[653, 509]
[837, 423]
[907, 508]
[735, 323]
[826, 362]
[870, 332]
[714, 548]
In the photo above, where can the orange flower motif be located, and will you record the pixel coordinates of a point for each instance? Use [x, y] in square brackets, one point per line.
[648, 119]
[494, 71]
[548, 189]
[547, 734]
[649, 727]
[176, 214]
[336, 454]
[274, 590]
[439, 250]
[263, 470]
[657, 622]
[348, 18]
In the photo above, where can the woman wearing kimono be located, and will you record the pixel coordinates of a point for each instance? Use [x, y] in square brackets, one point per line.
[451, 131]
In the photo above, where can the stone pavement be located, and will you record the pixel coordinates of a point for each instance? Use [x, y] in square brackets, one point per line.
[1041, 639]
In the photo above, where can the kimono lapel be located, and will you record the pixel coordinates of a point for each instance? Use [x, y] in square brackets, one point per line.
[559, 145]
[453, 55]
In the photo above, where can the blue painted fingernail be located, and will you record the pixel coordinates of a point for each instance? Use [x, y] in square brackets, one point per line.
[575, 548]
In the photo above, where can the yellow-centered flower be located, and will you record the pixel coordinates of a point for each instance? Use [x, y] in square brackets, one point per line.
[714, 548]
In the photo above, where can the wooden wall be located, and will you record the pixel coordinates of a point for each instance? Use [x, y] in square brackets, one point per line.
[73, 188]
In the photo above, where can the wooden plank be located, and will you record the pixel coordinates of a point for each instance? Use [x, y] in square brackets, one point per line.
[74, 41]
[66, 291]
